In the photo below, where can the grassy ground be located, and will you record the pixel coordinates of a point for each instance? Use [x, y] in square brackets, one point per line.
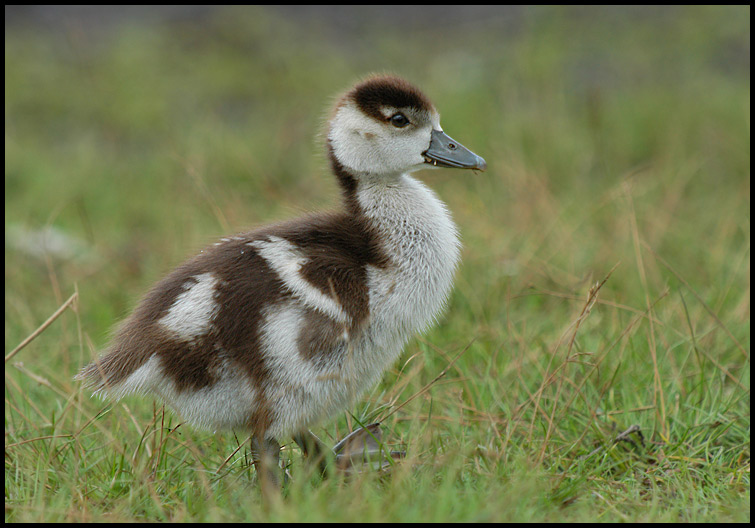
[596, 347]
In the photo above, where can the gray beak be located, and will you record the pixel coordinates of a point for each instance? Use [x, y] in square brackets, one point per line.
[446, 152]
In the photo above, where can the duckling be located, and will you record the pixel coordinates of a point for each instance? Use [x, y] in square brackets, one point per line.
[277, 329]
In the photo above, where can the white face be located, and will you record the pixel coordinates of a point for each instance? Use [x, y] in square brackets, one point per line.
[368, 146]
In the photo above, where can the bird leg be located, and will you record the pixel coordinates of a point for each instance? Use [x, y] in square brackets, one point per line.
[265, 456]
[313, 448]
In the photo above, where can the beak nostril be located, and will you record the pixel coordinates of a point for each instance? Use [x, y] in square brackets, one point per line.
[452, 146]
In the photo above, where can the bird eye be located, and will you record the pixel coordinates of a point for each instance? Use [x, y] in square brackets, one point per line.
[399, 120]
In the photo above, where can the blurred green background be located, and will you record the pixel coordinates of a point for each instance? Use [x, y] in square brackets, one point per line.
[134, 136]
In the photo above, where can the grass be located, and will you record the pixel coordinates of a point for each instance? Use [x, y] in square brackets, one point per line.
[595, 349]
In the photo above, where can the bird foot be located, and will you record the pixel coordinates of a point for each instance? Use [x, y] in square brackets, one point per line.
[358, 451]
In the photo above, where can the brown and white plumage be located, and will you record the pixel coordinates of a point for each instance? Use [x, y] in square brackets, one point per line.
[273, 330]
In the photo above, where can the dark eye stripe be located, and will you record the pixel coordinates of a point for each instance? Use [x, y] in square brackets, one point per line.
[379, 92]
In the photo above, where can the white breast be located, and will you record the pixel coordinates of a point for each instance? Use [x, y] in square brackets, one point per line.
[423, 244]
